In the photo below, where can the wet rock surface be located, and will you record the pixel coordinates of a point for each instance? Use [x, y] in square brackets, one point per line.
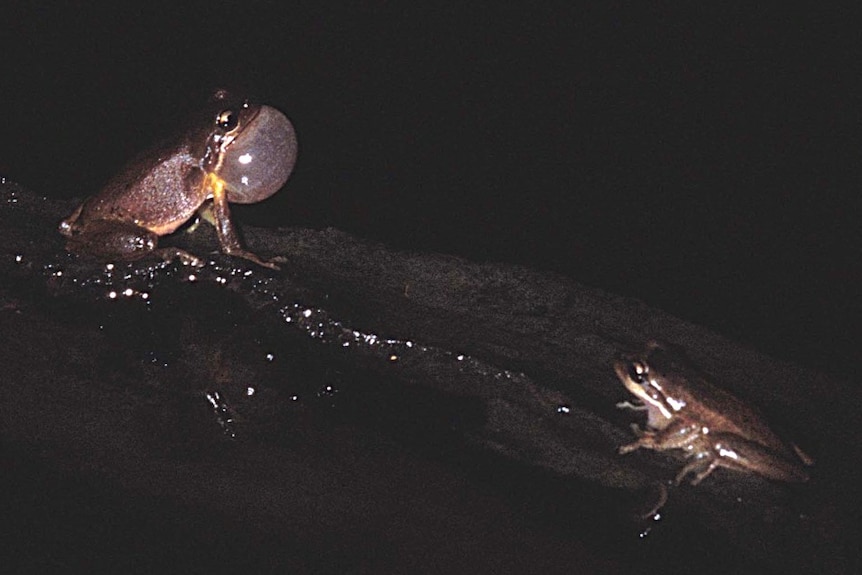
[366, 410]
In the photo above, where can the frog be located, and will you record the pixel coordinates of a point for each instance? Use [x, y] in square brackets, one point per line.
[686, 411]
[230, 151]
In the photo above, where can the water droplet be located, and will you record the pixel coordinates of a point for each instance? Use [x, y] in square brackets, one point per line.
[213, 399]
[327, 391]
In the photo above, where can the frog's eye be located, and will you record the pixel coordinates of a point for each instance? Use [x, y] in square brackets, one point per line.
[258, 161]
[638, 372]
[227, 120]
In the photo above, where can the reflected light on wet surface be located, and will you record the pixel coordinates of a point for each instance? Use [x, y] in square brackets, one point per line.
[262, 288]
[723, 452]
[318, 324]
[121, 281]
[513, 397]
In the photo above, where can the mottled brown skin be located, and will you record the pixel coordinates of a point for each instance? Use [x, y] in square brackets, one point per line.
[162, 189]
[713, 427]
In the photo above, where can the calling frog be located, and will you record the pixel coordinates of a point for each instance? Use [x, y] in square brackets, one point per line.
[712, 427]
[233, 152]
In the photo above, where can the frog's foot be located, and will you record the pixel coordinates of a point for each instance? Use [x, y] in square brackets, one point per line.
[252, 257]
[633, 406]
[646, 440]
[658, 504]
[186, 258]
[804, 457]
[701, 467]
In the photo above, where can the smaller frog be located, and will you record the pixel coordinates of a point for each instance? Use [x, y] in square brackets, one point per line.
[234, 151]
[714, 428]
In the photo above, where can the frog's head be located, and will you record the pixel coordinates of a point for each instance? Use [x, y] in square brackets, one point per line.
[251, 148]
[649, 376]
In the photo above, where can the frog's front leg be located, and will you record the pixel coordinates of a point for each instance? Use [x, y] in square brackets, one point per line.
[632, 406]
[677, 435]
[228, 236]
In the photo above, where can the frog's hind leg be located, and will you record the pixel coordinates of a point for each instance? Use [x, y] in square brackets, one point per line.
[107, 239]
[736, 453]
[733, 452]
[186, 258]
[804, 457]
[742, 456]
[702, 466]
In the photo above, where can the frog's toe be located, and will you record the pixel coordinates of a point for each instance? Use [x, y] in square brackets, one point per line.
[186, 258]
[700, 467]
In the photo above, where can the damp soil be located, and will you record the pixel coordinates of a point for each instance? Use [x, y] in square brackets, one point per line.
[365, 410]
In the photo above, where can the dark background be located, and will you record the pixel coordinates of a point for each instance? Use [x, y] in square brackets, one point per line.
[703, 162]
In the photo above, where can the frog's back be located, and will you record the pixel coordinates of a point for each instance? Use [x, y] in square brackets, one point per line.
[714, 407]
[158, 190]
[724, 412]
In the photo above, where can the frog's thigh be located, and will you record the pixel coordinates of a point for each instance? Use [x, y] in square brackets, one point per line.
[114, 239]
[723, 450]
[734, 452]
